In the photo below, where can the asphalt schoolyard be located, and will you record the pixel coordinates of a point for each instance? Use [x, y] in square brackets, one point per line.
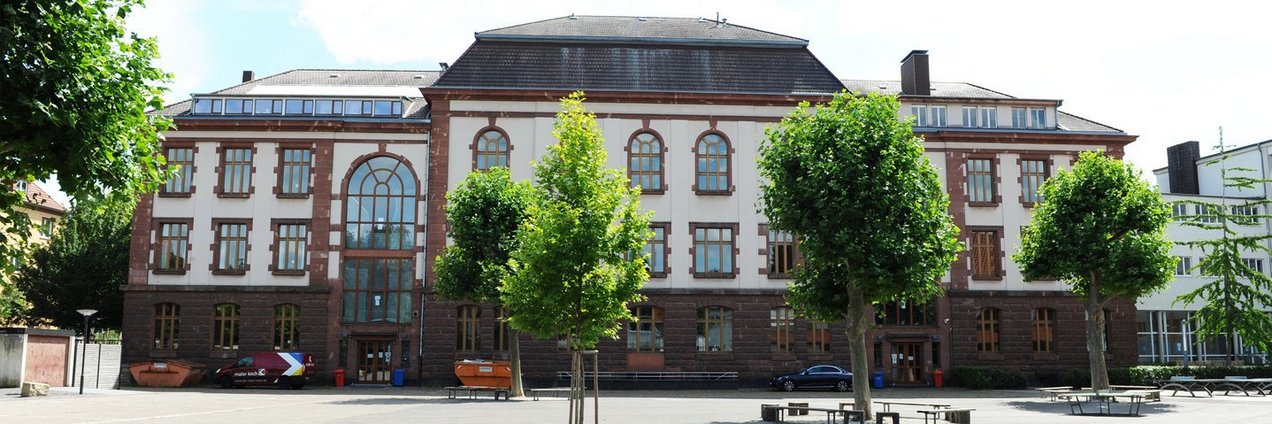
[416, 405]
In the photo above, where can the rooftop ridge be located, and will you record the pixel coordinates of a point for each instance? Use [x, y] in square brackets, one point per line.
[676, 30]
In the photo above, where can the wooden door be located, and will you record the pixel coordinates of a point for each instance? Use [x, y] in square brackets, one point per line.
[907, 363]
[375, 361]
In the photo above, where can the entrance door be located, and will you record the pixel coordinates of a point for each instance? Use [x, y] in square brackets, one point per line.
[907, 363]
[375, 360]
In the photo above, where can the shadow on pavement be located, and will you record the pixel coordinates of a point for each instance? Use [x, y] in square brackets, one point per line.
[1062, 408]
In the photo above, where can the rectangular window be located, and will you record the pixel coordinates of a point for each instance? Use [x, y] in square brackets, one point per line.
[225, 327]
[920, 115]
[328, 107]
[1037, 118]
[989, 117]
[286, 327]
[1246, 214]
[1019, 117]
[938, 116]
[645, 333]
[355, 107]
[46, 226]
[1208, 214]
[1044, 324]
[182, 159]
[238, 107]
[231, 245]
[969, 117]
[713, 251]
[236, 171]
[501, 330]
[1179, 209]
[269, 107]
[818, 336]
[174, 242]
[296, 165]
[290, 247]
[1183, 266]
[781, 253]
[906, 313]
[985, 254]
[383, 108]
[980, 181]
[207, 106]
[987, 330]
[656, 248]
[1254, 264]
[715, 329]
[782, 321]
[300, 107]
[1033, 173]
[167, 326]
[468, 329]
[378, 290]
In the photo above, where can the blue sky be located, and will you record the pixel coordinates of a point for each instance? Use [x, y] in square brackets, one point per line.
[1166, 71]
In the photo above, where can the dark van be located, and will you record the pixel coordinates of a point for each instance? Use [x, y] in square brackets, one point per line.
[282, 369]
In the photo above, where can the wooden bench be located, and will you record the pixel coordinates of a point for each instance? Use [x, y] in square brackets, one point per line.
[777, 413]
[956, 415]
[472, 391]
[887, 404]
[535, 393]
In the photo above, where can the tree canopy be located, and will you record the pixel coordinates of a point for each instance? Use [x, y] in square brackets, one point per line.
[1236, 299]
[84, 266]
[76, 86]
[1102, 230]
[850, 180]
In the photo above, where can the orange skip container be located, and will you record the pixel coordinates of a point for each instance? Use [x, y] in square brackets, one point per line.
[483, 373]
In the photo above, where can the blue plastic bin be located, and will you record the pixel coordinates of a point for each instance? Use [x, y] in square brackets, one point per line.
[399, 377]
[878, 379]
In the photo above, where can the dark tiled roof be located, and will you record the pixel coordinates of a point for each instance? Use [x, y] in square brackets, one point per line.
[343, 78]
[939, 89]
[1069, 122]
[639, 67]
[645, 29]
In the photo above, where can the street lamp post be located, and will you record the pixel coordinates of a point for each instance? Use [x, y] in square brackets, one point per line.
[84, 357]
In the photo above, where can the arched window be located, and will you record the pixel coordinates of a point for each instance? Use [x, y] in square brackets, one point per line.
[468, 329]
[490, 150]
[225, 328]
[645, 333]
[286, 326]
[380, 222]
[645, 162]
[167, 326]
[987, 330]
[1044, 324]
[380, 208]
[782, 319]
[715, 329]
[712, 153]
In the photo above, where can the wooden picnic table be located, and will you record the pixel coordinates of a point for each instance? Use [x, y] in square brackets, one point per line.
[887, 404]
[955, 415]
[1104, 400]
[779, 413]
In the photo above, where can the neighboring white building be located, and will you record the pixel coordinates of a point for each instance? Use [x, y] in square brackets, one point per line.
[1165, 330]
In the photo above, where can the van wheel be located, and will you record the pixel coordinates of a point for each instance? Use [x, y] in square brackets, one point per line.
[226, 382]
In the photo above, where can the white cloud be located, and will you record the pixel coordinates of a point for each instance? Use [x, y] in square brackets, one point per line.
[183, 43]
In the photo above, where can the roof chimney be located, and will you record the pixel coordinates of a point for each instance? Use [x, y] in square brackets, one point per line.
[1181, 164]
[443, 65]
[248, 76]
[914, 74]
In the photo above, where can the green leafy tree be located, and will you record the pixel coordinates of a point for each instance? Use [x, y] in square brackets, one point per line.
[851, 181]
[83, 266]
[76, 86]
[1235, 301]
[485, 212]
[572, 274]
[1102, 230]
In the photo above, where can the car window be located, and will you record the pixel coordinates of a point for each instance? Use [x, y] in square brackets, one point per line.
[819, 370]
[245, 362]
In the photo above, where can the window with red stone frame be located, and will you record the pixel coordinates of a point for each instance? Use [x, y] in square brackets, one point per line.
[782, 321]
[290, 247]
[985, 254]
[645, 162]
[236, 172]
[987, 330]
[818, 336]
[782, 253]
[295, 166]
[174, 245]
[468, 329]
[657, 249]
[225, 327]
[286, 326]
[1033, 172]
[491, 150]
[712, 170]
[231, 248]
[714, 252]
[167, 326]
[981, 188]
[182, 159]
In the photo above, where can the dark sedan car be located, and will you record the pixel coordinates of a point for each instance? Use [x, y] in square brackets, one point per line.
[815, 377]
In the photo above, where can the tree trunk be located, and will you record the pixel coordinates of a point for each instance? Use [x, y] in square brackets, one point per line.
[1095, 341]
[856, 330]
[514, 350]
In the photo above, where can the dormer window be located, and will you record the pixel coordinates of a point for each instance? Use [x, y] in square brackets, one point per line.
[938, 116]
[1037, 118]
[1018, 118]
[207, 106]
[298, 107]
[21, 186]
[920, 115]
[969, 117]
[989, 117]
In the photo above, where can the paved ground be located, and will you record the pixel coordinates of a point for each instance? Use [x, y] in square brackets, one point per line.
[406, 405]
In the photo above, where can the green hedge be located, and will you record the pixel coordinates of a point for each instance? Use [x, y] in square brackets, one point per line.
[979, 378]
[1149, 375]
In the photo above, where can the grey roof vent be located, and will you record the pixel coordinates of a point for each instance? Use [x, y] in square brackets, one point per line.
[333, 76]
[642, 18]
[572, 17]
